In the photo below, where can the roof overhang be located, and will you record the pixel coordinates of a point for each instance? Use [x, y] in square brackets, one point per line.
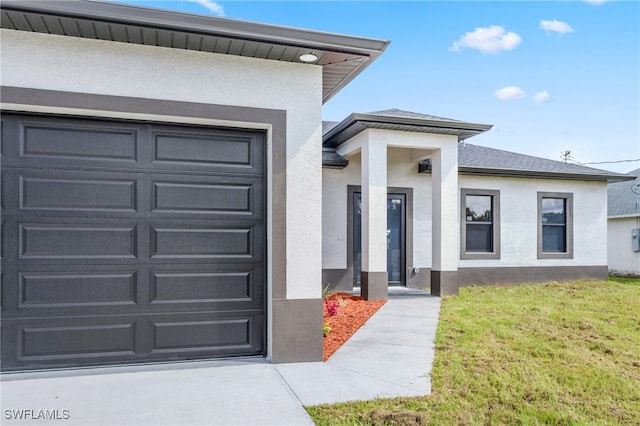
[341, 57]
[625, 216]
[424, 167]
[357, 123]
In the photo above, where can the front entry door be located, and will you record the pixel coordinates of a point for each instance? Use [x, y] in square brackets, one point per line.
[396, 205]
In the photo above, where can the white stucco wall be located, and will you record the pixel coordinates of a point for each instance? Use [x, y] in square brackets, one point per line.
[99, 67]
[518, 201]
[401, 172]
[622, 260]
[519, 219]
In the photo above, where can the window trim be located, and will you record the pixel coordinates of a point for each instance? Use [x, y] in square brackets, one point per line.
[495, 208]
[568, 253]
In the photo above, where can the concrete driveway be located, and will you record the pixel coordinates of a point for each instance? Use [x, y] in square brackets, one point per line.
[390, 356]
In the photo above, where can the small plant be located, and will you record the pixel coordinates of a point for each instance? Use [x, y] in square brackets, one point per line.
[341, 302]
[325, 291]
[332, 306]
[325, 328]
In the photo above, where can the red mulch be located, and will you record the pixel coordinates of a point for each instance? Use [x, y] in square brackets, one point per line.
[352, 314]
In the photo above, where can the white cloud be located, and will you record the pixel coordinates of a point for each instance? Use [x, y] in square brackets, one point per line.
[509, 93]
[541, 96]
[212, 6]
[556, 26]
[490, 39]
[596, 2]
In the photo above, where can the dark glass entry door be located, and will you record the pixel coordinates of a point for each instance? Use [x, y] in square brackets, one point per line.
[396, 205]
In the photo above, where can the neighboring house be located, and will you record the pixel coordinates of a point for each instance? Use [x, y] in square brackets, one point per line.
[164, 197]
[624, 226]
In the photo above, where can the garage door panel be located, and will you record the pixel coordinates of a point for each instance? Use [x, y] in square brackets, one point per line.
[55, 342]
[69, 193]
[42, 290]
[33, 192]
[208, 151]
[64, 290]
[38, 141]
[42, 193]
[74, 290]
[214, 197]
[70, 342]
[48, 241]
[218, 333]
[76, 142]
[75, 241]
[227, 287]
[67, 240]
[205, 198]
[181, 336]
[68, 141]
[46, 342]
[201, 242]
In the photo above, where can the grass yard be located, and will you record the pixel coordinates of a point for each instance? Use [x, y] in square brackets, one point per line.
[556, 353]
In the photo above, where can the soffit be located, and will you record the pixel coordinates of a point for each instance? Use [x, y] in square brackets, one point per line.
[342, 57]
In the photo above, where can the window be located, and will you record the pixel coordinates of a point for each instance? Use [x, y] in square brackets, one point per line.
[555, 225]
[480, 224]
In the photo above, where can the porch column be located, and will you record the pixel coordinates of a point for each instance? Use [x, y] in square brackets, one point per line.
[446, 229]
[374, 284]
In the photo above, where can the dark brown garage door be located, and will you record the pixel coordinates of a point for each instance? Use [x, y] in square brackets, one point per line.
[130, 242]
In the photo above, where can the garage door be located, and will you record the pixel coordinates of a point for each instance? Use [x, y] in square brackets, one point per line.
[129, 242]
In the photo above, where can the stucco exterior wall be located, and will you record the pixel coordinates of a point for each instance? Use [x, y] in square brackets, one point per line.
[622, 260]
[518, 201]
[79, 65]
[401, 172]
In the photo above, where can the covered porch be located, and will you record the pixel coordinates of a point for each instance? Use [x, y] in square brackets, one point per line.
[371, 136]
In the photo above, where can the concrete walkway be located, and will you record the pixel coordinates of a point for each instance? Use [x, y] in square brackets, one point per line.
[390, 356]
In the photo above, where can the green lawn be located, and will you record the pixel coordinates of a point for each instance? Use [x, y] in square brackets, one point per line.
[557, 353]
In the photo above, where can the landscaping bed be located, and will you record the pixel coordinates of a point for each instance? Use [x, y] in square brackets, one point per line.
[344, 314]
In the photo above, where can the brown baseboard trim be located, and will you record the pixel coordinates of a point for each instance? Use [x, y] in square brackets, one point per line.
[337, 279]
[297, 330]
[444, 283]
[374, 286]
[529, 274]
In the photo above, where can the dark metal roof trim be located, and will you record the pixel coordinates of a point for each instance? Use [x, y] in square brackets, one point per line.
[423, 167]
[342, 57]
[332, 160]
[356, 123]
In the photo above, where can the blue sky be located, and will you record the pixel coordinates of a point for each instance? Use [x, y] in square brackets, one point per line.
[550, 76]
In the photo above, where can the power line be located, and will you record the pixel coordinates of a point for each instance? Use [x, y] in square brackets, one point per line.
[612, 162]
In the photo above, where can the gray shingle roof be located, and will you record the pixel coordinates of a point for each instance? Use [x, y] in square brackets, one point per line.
[472, 159]
[480, 157]
[328, 125]
[395, 112]
[622, 201]
[480, 160]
